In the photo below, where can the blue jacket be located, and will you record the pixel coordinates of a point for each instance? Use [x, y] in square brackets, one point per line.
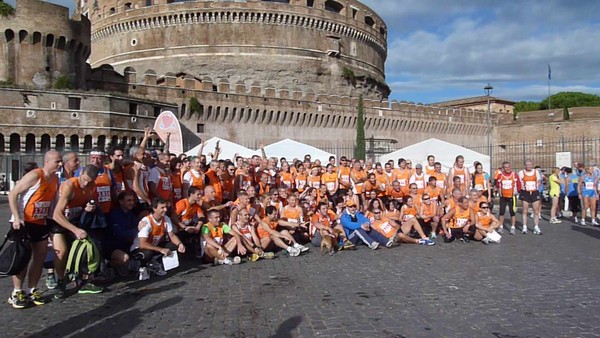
[351, 223]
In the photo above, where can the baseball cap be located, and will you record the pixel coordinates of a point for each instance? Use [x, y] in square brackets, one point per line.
[350, 203]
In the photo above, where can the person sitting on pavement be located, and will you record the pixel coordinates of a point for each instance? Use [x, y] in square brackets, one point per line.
[273, 232]
[462, 221]
[323, 223]
[409, 222]
[122, 223]
[428, 215]
[485, 223]
[219, 242]
[248, 237]
[357, 226]
[151, 243]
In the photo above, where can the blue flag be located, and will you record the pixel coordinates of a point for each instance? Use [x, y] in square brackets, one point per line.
[549, 73]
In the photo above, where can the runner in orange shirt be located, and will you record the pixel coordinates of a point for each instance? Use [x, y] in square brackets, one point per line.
[441, 178]
[409, 222]
[430, 166]
[402, 175]
[330, 180]
[459, 170]
[343, 172]
[418, 178]
[429, 216]
[463, 222]
[30, 203]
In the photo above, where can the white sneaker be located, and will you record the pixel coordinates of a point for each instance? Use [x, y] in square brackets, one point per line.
[500, 230]
[582, 221]
[143, 275]
[390, 243]
[237, 260]
[294, 252]
[537, 231]
[524, 231]
[575, 219]
[374, 245]
[227, 261]
[302, 248]
[513, 230]
[485, 240]
[594, 223]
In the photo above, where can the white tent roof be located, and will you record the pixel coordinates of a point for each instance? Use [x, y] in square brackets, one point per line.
[444, 152]
[228, 149]
[291, 149]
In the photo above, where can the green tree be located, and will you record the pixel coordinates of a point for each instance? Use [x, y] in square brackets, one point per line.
[194, 105]
[522, 106]
[6, 9]
[571, 99]
[63, 82]
[361, 147]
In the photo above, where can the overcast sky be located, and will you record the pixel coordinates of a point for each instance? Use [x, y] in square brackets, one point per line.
[440, 50]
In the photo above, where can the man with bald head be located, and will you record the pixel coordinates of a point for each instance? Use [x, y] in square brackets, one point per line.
[29, 203]
[209, 201]
[159, 179]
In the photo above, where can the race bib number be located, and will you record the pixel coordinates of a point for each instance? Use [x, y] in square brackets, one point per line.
[408, 217]
[440, 184]
[177, 192]
[345, 178]
[330, 186]
[479, 186]
[386, 227]
[287, 184]
[420, 184]
[219, 240]
[462, 178]
[156, 240]
[292, 220]
[461, 222]
[103, 194]
[166, 183]
[316, 184]
[301, 184]
[507, 184]
[402, 182]
[530, 186]
[40, 209]
[589, 185]
[245, 184]
[73, 213]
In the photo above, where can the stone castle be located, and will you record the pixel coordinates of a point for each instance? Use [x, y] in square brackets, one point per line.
[248, 71]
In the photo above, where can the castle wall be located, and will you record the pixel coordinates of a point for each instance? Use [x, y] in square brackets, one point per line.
[39, 44]
[290, 45]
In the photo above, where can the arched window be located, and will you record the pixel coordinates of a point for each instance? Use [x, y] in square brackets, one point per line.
[9, 35]
[114, 141]
[1, 143]
[333, 6]
[74, 143]
[87, 143]
[15, 143]
[101, 142]
[369, 21]
[45, 143]
[60, 142]
[30, 143]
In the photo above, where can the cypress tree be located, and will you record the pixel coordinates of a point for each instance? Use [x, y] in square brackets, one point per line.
[360, 150]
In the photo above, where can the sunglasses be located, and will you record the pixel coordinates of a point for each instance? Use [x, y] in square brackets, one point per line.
[425, 199]
[377, 213]
[484, 207]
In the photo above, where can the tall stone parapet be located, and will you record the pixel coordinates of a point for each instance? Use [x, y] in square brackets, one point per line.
[40, 45]
[332, 47]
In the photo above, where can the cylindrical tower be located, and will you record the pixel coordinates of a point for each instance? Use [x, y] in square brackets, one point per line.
[40, 45]
[324, 46]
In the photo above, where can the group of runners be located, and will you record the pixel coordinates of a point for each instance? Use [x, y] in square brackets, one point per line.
[144, 207]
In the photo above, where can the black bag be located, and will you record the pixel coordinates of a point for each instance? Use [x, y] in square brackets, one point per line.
[17, 253]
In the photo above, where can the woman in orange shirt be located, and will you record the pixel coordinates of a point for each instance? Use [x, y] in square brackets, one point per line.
[330, 180]
[408, 219]
[485, 223]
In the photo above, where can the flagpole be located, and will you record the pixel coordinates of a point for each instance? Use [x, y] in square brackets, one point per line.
[549, 78]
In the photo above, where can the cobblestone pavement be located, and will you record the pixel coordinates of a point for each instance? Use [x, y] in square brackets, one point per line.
[527, 286]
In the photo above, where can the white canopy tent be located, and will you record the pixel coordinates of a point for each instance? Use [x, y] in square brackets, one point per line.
[228, 149]
[444, 152]
[291, 149]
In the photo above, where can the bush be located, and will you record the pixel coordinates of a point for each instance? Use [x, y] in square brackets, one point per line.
[63, 82]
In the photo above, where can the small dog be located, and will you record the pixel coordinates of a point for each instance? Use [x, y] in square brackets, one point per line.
[329, 241]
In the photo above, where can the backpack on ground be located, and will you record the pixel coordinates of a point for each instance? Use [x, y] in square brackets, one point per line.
[84, 257]
[15, 252]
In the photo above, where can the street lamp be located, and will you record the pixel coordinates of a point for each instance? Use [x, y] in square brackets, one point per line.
[488, 91]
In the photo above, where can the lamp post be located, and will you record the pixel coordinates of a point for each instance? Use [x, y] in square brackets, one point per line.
[488, 91]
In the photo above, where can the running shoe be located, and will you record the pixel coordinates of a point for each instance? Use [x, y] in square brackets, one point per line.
[143, 274]
[432, 235]
[268, 255]
[348, 245]
[513, 231]
[254, 257]
[426, 241]
[594, 223]
[156, 268]
[236, 260]
[582, 222]
[18, 300]
[302, 248]
[90, 288]
[51, 281]
[374, 245]
[61, 289]
[537, 231]
[485, 240]
[36, 298]
[524, 231]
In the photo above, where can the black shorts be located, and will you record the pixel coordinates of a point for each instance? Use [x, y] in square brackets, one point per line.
[55, 228]
[529, 196]
[37, 232]
[507, 201]
[574, 204]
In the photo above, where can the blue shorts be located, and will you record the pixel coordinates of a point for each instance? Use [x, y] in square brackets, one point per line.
[589, 193]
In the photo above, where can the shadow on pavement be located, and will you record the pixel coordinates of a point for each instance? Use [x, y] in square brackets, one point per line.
[592, 232]
[115, 318]
[285, 329]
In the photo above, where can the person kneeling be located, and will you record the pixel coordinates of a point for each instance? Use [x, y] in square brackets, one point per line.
[151, 243]
[486, 225]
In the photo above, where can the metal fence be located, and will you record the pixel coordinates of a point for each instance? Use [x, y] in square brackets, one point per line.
[542, 153]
